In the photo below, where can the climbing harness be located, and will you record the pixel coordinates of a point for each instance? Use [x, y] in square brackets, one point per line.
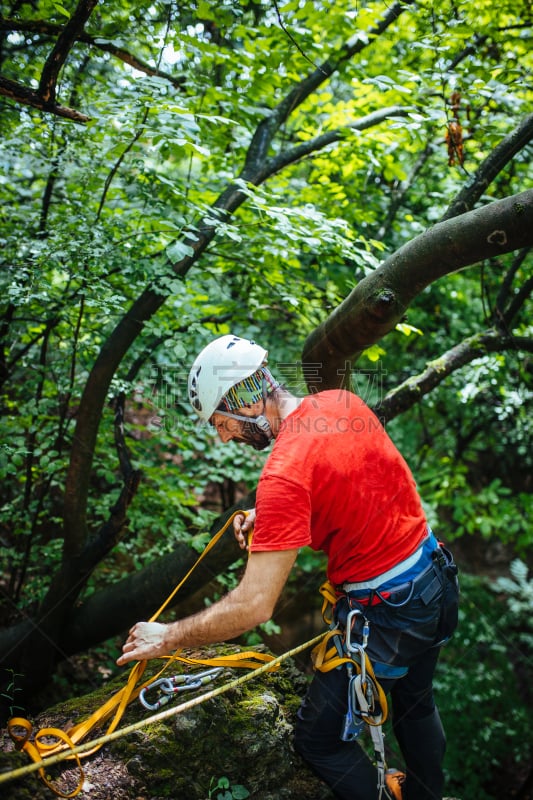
[168, 687]
[367, 703]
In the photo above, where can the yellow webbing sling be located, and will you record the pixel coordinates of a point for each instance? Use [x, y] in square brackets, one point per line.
[326, 656]
[371, 698]
[20, 728]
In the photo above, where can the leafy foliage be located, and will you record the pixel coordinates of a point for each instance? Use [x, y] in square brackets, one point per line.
[482, 703]
[163, 217]
[231, 791]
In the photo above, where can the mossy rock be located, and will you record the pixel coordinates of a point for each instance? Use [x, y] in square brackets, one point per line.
[239, 741]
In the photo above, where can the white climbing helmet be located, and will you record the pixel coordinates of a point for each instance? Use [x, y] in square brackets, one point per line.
[219, 366]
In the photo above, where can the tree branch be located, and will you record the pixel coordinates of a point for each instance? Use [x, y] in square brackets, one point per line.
[518, 301]
[51, 29]
[507, 282]
[332, 345]
[398, 194]
[267, 129]
[21, 94]
[295, 154]
[413, 389]
[379, 301]
[62, 48]
[502, 154]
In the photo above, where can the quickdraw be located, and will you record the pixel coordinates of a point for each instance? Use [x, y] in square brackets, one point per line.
[367, 703]
[168, 687]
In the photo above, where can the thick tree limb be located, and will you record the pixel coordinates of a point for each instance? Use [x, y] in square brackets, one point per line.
[379, 301]
[62, 48]
[413, 389]
[329, 343]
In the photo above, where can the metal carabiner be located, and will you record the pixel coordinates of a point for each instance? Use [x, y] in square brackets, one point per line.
[208, 675]
[166, 688]
[352, 647]
[183, 683]
[175, 684]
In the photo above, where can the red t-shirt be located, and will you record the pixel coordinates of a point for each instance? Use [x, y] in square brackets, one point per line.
[336, 482]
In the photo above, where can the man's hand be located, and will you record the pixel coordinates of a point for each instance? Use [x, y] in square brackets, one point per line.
[251, 602]
[242, 526]
[146, 640]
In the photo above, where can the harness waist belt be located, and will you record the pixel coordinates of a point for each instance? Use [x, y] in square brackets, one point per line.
[390, 574]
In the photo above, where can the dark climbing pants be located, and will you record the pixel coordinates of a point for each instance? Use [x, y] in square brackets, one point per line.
[409, 634]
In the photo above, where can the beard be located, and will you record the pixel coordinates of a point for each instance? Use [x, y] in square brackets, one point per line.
[253, 435]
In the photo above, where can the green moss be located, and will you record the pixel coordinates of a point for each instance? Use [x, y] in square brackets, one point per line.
[244, 734]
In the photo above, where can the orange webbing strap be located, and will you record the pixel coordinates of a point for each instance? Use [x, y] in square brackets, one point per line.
[116, 705]
[327, 590]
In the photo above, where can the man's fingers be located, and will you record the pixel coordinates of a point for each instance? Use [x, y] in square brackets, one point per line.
[239, 522]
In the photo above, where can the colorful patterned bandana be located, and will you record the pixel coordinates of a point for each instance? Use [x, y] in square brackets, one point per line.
[249, 391]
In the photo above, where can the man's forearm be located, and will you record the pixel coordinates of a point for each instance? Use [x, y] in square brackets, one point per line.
[249, 604]
[226, 619]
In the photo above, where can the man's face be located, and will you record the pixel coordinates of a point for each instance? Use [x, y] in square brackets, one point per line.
[235, 429]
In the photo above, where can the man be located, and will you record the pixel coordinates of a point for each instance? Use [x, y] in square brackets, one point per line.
[336, 482]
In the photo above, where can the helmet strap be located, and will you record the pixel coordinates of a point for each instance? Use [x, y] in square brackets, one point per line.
[261, 421]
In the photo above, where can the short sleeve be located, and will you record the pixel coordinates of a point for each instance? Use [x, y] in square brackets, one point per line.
[283, 520]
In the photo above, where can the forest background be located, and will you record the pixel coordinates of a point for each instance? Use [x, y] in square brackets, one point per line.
[316, 176]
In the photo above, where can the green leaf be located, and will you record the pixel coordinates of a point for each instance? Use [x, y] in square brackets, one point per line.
[374, 352]
[407, 329]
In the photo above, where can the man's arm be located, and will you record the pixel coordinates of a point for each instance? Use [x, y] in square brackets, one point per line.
[249, 604]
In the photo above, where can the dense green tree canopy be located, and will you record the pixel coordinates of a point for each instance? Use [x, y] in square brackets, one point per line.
[172, 171]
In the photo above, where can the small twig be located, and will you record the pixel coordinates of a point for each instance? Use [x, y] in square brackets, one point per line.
[289, 35]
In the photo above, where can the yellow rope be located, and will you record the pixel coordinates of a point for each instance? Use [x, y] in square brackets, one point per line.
[55, 743]
[65, 745]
